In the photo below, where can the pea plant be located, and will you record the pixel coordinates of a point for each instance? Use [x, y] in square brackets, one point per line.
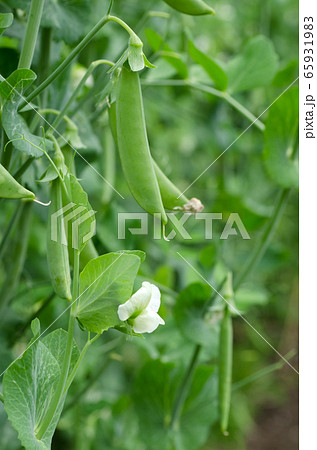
[116, 107]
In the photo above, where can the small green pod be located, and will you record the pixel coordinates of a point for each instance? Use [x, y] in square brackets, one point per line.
[57, 250]
[191, 7]
[225, 369]
[10, 188]
[133, 145]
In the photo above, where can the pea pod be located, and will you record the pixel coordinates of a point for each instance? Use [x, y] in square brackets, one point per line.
[225, 369]
[10, 188]
[172, 197]
[133, 144]
[191, 7]
[57, 251]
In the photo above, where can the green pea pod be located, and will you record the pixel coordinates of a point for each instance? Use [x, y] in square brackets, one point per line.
[191, 7]
[225, 369]
[172, 197]
[133, 145]
[57, 250]
[10, 188]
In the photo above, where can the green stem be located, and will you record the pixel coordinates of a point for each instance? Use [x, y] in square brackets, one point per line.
[30, 37]
[17, 260]
[1, 397]
[148, 15]
[67, 61]
[184, 388]
[210, 90]
[18, 174]
[122, 24]
[59, 393]
[79, 360]
[111, 345]
[261, 373]
[264, 241]
[74, 53]
[11, 225]
[82, 82]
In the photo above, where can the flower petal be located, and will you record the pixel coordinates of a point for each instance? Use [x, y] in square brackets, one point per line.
[137, 303]
[155, 301]
[147, 321]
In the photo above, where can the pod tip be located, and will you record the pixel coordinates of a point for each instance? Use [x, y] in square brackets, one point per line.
[41, 203]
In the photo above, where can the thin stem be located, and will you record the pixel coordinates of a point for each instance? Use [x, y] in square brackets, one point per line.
[30, 37]
[184, 388]
[79, 360]
[11, 225]
[18, 254]
[264, 241]
[82, 82]
[67, 61]
[148, 15]
[111, 345]
[210, 90]
[59, 393]
[265, 371]
[122, 24]
[1, 397]
[74, 53]
[18, 174]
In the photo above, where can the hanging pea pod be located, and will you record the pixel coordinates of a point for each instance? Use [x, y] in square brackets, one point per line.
[172, 197]
[191, 7]
[225, 369]
[57, 251]
[108, 166]
[225, 358]
[10, 188]
[133, 145]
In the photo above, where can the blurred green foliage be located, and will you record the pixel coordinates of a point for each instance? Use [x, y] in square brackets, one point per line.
[123, 395]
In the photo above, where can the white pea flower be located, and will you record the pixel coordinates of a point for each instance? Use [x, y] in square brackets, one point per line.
[141, 309]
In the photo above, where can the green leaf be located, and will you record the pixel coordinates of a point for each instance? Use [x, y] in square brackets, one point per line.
[105, 283]
[139, 253]
[16, 83]
[254, 67]
[5, 21]
[287, 74]
[29, 384]
[68, 18]
[165, 51]
[215, 72]
[190, 314]
[154, 396]
[13, 123]
[81, 222]
[17, 130]
[280, 135]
